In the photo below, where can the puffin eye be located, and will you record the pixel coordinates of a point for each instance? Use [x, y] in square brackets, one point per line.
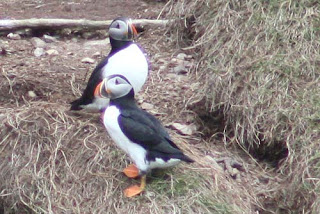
[117, 82]
[118, 26]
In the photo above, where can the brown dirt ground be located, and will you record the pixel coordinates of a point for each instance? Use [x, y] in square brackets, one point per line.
[60, 79]
[78, 9]
[50, 74]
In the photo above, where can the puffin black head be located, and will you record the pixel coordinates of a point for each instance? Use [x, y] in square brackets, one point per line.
[114, 87]
[122, 29]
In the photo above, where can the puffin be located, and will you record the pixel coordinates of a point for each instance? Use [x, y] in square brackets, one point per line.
[125, 58]
[138, 133]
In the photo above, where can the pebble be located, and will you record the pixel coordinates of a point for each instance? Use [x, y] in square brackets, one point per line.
[174, 60]
[189, 57]
[162, 67]
[52, 52]
[147, 106]
[103, 42]
[49, 39]
[87, 35]
[38, 52]
[88, 60]
[14, 36]
[37, 42]
[32, 94]
[97, 54]
[181, 56]
[184, 129]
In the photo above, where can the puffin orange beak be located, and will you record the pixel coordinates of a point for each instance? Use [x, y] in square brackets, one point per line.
[101, 90]
[134, 30]
[97, 91]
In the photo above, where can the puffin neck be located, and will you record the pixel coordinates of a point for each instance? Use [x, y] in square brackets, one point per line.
[125, 101]
[117, 45]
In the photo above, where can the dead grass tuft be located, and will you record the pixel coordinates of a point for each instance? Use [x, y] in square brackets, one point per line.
[258, 64]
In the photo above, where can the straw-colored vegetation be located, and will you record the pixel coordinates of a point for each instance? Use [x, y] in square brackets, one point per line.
[259, 67]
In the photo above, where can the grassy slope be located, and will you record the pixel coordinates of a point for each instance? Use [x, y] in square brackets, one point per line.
[259, 66]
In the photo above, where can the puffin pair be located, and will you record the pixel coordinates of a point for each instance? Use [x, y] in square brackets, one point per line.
[136, 132]
[118, 78]
[125, 58]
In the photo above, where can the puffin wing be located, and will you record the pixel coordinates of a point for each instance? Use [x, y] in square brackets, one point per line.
[98, 69]
[145, 130]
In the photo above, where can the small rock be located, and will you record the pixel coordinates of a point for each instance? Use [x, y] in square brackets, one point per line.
[37, 42]
[88, 60]
[162, 67]
[184, 129]
[174, 60]
[38, 52]
[87, 35]
[189, 57]
[52, 52]
[181, 56]
[103, 42]
[97, 54]
[49, 39]
[147, 106]
[14, 36]
[32, 94]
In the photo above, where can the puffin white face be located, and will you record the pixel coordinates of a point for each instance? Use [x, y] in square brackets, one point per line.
[122, 29]
[113, 88]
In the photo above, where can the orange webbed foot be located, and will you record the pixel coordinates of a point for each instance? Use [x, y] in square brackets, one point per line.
[131, 171]
[136, 190]
[132, 191]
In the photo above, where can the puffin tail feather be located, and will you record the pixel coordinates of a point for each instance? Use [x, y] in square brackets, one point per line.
[75, 105]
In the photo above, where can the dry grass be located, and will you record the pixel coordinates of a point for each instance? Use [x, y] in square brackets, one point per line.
[258, 64]
[53, 161]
